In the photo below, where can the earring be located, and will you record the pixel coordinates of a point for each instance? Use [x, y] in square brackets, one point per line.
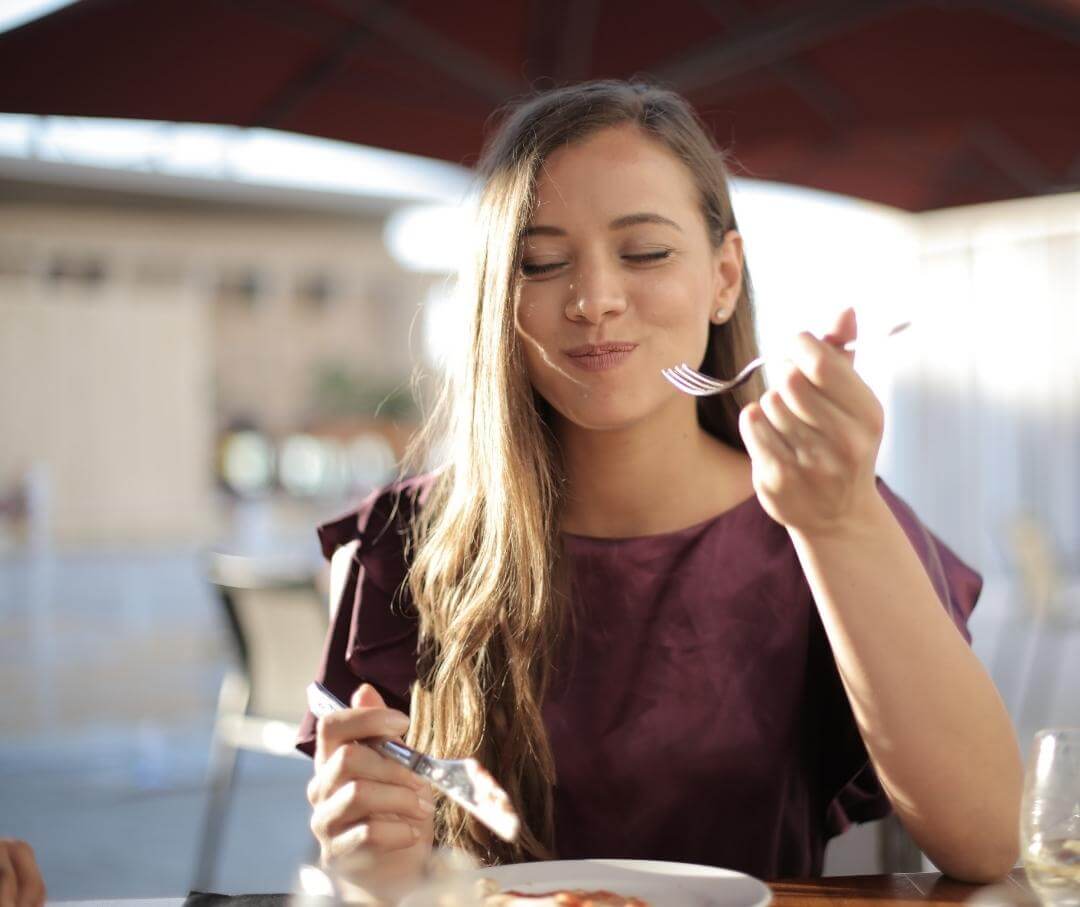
[720, 313]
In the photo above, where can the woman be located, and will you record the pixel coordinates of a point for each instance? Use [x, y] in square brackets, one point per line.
[678, 629]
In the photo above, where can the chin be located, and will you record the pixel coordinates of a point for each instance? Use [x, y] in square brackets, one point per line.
[602, 412]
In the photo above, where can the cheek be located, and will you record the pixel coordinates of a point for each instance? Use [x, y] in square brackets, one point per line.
[675, 308]
[536, 320]
[528, 314]
[671, 300]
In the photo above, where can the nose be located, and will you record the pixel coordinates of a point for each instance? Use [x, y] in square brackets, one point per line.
[595, 293]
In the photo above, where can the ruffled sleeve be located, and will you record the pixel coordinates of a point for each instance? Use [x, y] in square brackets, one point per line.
[373, 631]
[853, 791]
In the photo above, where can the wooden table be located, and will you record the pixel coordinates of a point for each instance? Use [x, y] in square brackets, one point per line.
[926, 888]
[923, 887]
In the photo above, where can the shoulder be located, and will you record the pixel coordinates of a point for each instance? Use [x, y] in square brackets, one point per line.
[925, 543]
[381, 520]
[922, 540]
[957, 583]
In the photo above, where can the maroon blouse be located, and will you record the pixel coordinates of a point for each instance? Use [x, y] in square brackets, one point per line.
[697, 713]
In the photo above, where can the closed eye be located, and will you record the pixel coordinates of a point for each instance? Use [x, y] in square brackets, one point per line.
[650, 256]
[531, 270]
[539, 270]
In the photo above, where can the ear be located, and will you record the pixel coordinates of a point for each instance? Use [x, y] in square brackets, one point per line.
[727, 277]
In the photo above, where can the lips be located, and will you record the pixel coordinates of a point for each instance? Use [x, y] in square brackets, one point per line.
[598, 357]
[599, 349]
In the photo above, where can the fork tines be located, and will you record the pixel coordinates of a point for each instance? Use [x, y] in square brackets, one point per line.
[691, 381]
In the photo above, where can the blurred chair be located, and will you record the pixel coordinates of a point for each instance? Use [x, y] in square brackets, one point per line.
[1042, 616]
[277, 623]
[1044, 620]
[1038, 565]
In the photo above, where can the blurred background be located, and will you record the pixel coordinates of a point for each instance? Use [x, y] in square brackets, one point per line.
[228, 232]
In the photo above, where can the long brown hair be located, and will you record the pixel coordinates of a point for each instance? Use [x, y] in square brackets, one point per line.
[486, 547]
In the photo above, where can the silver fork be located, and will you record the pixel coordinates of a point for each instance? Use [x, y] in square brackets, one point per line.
[463, 780]
[698, 384]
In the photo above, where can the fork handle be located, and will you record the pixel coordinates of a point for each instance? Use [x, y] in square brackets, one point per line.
[322, 702]
[875, 336]
[399, 752]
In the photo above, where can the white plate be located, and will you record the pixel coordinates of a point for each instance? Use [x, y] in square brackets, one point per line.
[661, 884]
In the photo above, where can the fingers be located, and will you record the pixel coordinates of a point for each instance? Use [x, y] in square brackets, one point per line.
[362, 801]
[781, 445]
[769, 452]
[367, 697]
[9, 886]
[21, 884]
[31, 885]
[358, 762]
[796, 426]
[817, 415]
[845, 329]
[378, 835]
[813, 440]
[810, 447]
[358, 723]
[369, 817]
[825, 412]
[830, 372]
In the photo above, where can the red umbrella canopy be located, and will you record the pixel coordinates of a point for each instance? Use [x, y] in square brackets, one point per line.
[915, 104]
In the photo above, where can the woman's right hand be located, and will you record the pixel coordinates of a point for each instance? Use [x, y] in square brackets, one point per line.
[364, 805]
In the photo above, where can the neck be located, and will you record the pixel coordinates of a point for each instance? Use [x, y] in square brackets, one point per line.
[658, 475]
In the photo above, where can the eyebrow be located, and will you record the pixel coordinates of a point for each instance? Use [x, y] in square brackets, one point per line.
[620, 223]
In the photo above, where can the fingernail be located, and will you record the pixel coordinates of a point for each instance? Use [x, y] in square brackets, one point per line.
[427, 807]
[415, 832]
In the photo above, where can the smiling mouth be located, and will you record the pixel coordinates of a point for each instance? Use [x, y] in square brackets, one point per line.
[600, 349]
[596, 357]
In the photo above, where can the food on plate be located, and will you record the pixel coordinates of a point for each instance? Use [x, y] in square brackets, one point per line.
[488, 893]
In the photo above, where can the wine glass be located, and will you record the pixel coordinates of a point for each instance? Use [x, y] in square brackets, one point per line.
[1050, 817]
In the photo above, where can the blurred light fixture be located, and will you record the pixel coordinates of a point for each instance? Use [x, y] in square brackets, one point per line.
[443, 329]
[371, 461]
[431, 239]
[247, 462]
[304, 465]
[256, 156]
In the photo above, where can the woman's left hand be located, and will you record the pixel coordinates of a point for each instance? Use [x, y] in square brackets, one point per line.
[21, 884]
[813, 441]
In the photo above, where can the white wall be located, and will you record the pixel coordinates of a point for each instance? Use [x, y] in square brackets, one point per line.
[982, 397]
[111, 395]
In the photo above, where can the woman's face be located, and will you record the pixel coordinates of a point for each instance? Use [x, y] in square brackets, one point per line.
[618, 279]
